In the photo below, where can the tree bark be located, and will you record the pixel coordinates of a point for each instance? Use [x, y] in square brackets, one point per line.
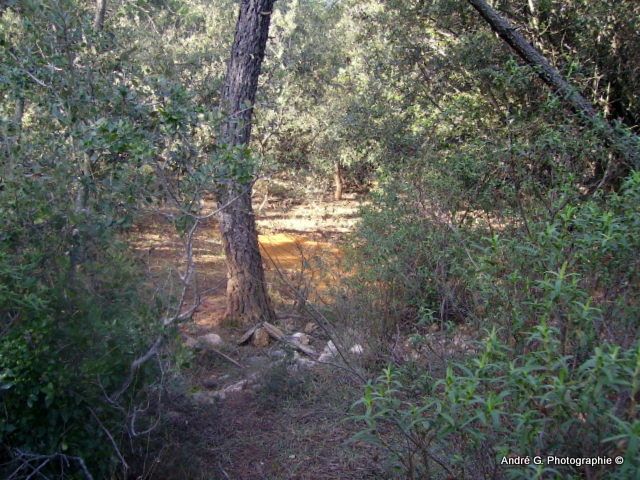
[101, 10]
[17, 118]
[533, 12]
[337, 180]
[247, 299]
[625, 146]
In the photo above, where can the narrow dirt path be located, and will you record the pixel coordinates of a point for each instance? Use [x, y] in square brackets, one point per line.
[279, 421]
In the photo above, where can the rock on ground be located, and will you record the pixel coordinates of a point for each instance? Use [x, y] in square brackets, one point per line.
[260, 338]
[210, 340]
[302, 338]
[329, 352]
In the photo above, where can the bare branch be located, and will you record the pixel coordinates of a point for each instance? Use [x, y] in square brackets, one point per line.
[316, 315]
[227, 357]
[125, 466]
[179, 316]
[26, 459]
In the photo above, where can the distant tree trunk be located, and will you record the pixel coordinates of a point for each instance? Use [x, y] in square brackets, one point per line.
[101, 10]
[626, 148]
[533, 11]
[247, 298]
[17, 118]
[337, 180]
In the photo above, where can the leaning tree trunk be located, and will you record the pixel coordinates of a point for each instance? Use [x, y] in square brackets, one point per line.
[247, 298]
[625, 146]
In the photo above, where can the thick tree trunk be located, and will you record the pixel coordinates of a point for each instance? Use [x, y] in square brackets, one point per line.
[247, 298]
[626, 147]
[337, 181]
[101, 10]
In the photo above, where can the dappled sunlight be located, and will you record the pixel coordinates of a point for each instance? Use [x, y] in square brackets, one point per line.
[309, 266]
[300, 247]
[290, 251]
[325, 218]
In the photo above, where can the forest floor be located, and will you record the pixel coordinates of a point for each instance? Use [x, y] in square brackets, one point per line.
[256, 412]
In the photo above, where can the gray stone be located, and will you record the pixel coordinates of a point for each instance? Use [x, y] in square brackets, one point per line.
[277, 353]
[329, 352]
[302, 338]
[210, 340]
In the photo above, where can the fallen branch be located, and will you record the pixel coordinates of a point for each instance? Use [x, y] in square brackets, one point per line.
[277, 334]
[317, 316]
[225, 356]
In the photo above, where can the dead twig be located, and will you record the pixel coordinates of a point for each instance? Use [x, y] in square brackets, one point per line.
[125, 466]
[26, 459]
[226, 357]
[179, 316]
[315, 314]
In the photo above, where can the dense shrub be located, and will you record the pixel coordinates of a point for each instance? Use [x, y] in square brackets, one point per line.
[500, 405]
[72, 322]
[558, 373]
[96, 126]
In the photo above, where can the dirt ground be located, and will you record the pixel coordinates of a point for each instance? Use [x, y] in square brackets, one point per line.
[302, 241]
[286, 422]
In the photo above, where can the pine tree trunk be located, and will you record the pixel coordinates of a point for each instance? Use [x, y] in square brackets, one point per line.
[247, 299]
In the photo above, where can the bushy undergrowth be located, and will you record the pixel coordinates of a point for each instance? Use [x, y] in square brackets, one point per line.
[88, 121]
[558, 370]
[72, 322]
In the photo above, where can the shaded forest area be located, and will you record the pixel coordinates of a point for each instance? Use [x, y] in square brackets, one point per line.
[307, 239]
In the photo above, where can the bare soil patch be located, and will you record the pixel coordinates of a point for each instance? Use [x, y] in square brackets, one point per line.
[284, 423]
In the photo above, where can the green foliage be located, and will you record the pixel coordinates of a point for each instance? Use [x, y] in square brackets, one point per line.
[500, 405]
[486, 211]
[72, 324]
[557, 374]
[85, 145]
[482, 220]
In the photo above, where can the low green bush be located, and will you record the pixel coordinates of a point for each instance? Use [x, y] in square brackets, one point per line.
[498, 405]
[558, 373]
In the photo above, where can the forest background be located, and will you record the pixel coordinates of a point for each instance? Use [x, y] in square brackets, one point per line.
[492, 207]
